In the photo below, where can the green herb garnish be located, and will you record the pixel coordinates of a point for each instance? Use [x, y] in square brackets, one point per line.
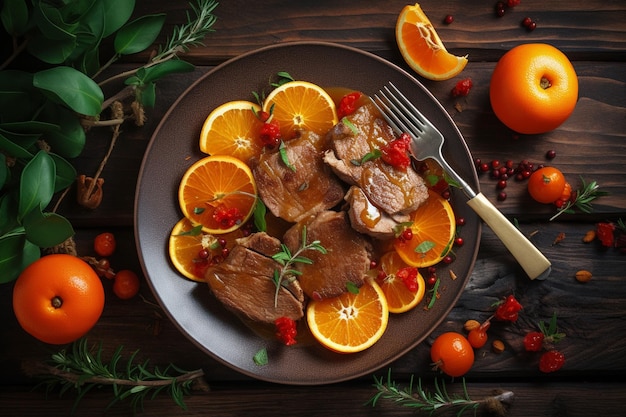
[376, 153]
[286, 259]
[584, 196]
[282, 150]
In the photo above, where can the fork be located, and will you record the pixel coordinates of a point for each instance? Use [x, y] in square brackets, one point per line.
[427, 142]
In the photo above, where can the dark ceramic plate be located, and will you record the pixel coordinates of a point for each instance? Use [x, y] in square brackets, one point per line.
[174, 147]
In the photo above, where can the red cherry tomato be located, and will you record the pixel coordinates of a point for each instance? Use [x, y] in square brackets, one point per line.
[126, 284]
[104, 244]
[477, 338]
[452, 353]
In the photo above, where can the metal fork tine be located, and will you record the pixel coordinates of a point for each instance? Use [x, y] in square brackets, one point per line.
[400, 116]
[409, 108]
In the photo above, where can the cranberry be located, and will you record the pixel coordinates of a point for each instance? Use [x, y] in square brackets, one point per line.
[501, 184]
[432, 280]
[495, 163]
[460, 221]
[501, 196]
[500, 9]
[203, 254]
[512, 3]
[551, 154]
[462, 88]
[526, 22]
[373, 264]
[484, 167]
[532, 26]
[448, 19]
[459, 241]
[407, 234]
[447, 259]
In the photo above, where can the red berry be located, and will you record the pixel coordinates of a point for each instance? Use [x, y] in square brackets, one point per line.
[432, 280]
[462, 88]
[512, 3]
[532, 26]
[448, 19]
[477, 337]
[501, 196]
[501, 184]
[460, 221]
[104, 244]
[533, 341]
[459, 241]
[526, 22]
[551, 361]
[407, 234]
[551, 154]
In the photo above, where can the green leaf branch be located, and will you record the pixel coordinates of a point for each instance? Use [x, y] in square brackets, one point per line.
[82, 368]
[416, 397]
[45, 114]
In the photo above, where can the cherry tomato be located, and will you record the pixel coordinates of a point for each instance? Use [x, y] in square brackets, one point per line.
[104, 244]
[546, 185]
[477, 338]
[452, 353]
[126, 284]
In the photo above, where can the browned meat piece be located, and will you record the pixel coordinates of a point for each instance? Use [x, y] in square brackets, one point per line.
[347, 260]
[294, 194]
[367, 218]
[243, 282]
[394, 191]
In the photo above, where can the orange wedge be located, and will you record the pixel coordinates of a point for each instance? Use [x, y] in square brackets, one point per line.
[232, 129]
[193, 251]
[433, 226]
[350, 322]
[421, 47]
[217, 192]
[301, 105]
[399, 297]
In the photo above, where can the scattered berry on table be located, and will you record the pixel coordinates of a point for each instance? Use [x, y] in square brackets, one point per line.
[533, 341]
[462, 88]
[551, 361]
[448, 19]
[104, 244]
[126, 284]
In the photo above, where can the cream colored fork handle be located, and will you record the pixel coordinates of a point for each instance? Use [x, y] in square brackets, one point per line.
[529, 257]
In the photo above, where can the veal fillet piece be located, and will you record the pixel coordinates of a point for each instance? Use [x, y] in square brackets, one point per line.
[395, 191]
[347, 259]
[367, 218]
[307, 188]
[243, 281]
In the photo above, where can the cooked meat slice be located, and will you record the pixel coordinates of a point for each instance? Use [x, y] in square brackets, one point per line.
[393, 190]
[367, 218]
[243, 283]
[347, 260]
[308, 188]
[261, 243]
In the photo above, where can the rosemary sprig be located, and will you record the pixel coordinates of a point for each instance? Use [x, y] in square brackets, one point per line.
[83, 368]
[191, 33]
[584, 196]
[416, 397]
[286, 259]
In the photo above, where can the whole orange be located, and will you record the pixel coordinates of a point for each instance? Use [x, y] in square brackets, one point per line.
[58, 298]
[546, 185]
[533, 88]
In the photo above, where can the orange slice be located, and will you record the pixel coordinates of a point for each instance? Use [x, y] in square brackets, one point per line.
[232, 129]
[421, 47]
[433, 226]
[399, 298]
[217, 192]
[350, 322]
[301, 105]
[186, 244]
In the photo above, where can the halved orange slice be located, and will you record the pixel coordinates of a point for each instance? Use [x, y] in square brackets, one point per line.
[232, 129]
[192, 251]
[399, 297]
[433, 226]
[421, 47]
[301, 105]
[350, 322]
[217, 192]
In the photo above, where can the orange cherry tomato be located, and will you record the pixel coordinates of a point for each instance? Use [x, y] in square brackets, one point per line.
[546, 185]
[58, 298]
[477, 338]
[104, 244]
[126, 284]
[452, 353]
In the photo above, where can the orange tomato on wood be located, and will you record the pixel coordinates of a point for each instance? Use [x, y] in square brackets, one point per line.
[126, 284]
[58, 298]
[546, 185]
[533, 88]
[452, 353]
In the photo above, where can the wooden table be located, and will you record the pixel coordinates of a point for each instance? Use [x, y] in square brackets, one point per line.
[592, 144]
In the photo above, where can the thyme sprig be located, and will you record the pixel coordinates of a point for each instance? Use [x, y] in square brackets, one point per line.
[286, 259]
[82, 368]
[416, 397]
[584, 196]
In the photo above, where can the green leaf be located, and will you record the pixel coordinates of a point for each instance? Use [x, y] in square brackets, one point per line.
[13, 149]
[8, 212]
[46, 229]
[51, 51]
[147, 94]
[352, 288]
[139, 34]
[72, 88]
[116, 14]
[4, 170]
[36, 184]
[16, 253]
[51, 23]
[69, 140]
[259, 215]
[425, 246]
[158, 71]
[14, 16]
[260, 358]
[65, 173]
